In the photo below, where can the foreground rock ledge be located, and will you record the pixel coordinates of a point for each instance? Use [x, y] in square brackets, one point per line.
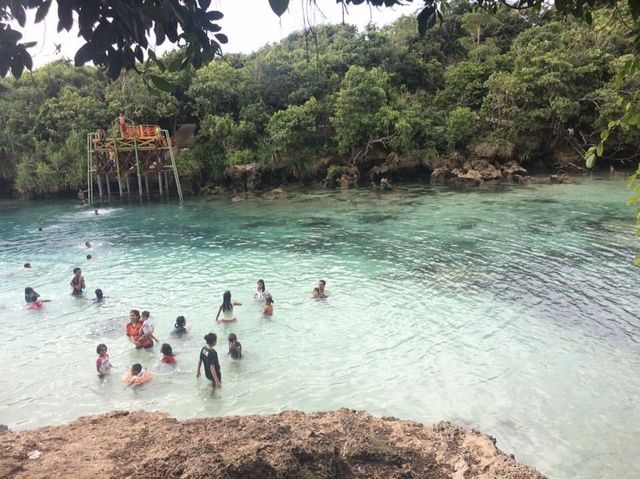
[337, 444]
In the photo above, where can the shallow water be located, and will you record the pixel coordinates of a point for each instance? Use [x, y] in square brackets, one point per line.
[513, 310]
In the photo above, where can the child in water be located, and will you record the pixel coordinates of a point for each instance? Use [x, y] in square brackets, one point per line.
[226, 308]
[167, 354]
[77, 282]
[316, 293]
[103, 365]
[235, 348]
[268, 307]
[32, 298]
[261, 291]
[99, 296]
[137, 375]
[147, 327]
[209, 357]
[180, 328]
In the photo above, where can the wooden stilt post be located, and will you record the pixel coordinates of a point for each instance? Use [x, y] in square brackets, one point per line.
[146, 185]
[135, 150]
[160, 183]
[108, 181]
[128, 186]
[119, 185]
[99, 178]
[166, 183]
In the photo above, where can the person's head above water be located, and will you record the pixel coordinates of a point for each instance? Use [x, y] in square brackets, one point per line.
[261, 286]
[101, 349]
[27, 265]
[134, 314]
[321, 284]
[145, 315]
[28, 290]
[211, 339]
[136, 369]
[96, 212]
[89, 256]
[268, 299]
[77, 271]
[226, 301]
[87, 244]
[39, 229]
[166, 349]
[99, 294]
[316, 292]
[181, 322]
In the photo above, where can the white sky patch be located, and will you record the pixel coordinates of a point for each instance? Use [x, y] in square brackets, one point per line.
[249, 24]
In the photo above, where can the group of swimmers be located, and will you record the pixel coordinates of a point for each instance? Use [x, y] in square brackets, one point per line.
[139, 330]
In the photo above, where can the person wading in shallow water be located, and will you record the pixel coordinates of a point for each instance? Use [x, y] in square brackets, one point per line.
[133, 330]
[77, 282]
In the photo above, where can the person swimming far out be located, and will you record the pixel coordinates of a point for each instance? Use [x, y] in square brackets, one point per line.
[180, 328]
[27, 266]
[103, 364]
[235, 348]
[136, 376]
[89, 257]
[209, 358]
[100, 297]
[167, 354]
[87, 244]
[226, 308]
[261, 291]
[268, 307]
[77, 282]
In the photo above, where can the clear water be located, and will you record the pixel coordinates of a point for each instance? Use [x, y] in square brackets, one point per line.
[513, 310]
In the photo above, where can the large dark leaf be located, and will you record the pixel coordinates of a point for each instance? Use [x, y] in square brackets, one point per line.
[222, 38]
[161, 84]
[84, 54]
[214, 15]
[42, 11]
[279, 6]
[426, 19]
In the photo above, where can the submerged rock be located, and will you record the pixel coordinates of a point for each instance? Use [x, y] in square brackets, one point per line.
[337, 444]
[276, 194]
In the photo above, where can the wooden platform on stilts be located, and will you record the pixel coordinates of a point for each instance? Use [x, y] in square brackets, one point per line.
[143, 151]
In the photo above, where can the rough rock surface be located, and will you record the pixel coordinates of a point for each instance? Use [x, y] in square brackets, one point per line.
[338, 444]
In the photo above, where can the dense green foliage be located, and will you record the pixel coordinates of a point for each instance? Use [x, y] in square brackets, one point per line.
[536, 83]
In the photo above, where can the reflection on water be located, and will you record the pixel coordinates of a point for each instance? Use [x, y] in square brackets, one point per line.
[513, 310]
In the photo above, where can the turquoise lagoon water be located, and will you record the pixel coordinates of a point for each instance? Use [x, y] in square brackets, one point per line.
[513, 310]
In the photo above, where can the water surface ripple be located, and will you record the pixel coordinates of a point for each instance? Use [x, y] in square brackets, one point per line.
[513, 310]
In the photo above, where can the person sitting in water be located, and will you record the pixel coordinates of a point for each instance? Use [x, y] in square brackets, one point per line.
[96, 212]
[315, 294]
[268, 307]
[180, 328]
[137, 375]
[235, 348]
[103, 364]
[261, 291]
[82, 196]
[147, 327]
[77, 282]
[209, 357]
[32, 298]
[226, 308]
[88, 244]
[167, 354]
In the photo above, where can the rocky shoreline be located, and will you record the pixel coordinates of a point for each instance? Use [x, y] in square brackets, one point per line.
[292, 444]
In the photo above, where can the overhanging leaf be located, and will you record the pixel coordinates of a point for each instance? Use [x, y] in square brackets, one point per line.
[279, 6]
[161, 84]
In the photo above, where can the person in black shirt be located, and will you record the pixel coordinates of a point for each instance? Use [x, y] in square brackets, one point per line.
[209, 357]
[235, 348]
